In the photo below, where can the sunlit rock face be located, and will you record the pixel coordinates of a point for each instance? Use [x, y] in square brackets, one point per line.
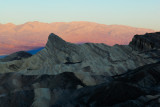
[64, 74]
[32, 35]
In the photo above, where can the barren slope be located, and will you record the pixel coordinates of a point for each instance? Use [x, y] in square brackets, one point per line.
[31, 35]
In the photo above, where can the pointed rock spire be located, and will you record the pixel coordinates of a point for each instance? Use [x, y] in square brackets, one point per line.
[55, 41]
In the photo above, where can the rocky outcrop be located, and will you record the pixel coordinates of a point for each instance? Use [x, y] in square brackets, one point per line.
[146, 42]
[16, 56]
[93, 75]
[60, 56]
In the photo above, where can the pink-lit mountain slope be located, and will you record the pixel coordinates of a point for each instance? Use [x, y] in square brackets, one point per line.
[35, 34]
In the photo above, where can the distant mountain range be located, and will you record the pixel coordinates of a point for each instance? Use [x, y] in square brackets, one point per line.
[33, 35]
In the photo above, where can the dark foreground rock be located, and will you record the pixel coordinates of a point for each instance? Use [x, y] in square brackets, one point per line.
[135, 88]
[146, 42]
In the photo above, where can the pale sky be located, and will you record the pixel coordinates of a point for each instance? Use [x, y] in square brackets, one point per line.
[136, 13]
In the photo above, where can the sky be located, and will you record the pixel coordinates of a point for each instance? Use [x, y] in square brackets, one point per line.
[136, 13]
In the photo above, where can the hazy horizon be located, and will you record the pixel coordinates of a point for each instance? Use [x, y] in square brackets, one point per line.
[135, 13]
[75, 21]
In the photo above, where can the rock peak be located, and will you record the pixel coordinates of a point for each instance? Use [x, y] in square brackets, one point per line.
[55, 41]
[54, 37]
